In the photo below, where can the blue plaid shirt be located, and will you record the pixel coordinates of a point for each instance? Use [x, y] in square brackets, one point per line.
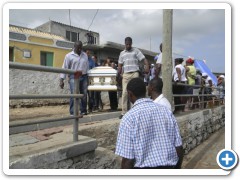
[148, 134]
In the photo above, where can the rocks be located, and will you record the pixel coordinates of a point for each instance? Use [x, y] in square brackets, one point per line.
[199, 126]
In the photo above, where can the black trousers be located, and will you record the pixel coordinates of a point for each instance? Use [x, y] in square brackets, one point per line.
[177, 89]
[113, 99]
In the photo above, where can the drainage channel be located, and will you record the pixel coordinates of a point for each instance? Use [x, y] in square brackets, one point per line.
[30, 125]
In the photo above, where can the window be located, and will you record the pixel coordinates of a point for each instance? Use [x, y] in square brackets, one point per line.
[26, 53]
[90, 38]
[72, 36]
[11, 55]
[46, 58]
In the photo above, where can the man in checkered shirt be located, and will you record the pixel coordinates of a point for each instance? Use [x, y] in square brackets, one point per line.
[148, 135]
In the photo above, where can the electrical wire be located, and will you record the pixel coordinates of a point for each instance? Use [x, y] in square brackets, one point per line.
[93, 19]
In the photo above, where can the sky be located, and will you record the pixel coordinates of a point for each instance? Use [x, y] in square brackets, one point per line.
[199, 33]
[199, 36]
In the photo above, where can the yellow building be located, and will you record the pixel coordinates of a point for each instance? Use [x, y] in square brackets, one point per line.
[36, 47]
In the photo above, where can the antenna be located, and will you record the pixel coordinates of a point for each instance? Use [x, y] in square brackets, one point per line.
[69, 15]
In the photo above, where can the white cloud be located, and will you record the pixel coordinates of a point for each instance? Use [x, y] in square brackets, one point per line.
[191, 27]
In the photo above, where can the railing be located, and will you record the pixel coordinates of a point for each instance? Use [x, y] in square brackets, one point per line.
[202, 95]
[76, 94]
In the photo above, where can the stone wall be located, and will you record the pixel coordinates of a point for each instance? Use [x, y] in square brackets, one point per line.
[194, 128]
[101, 158]
[197, 127]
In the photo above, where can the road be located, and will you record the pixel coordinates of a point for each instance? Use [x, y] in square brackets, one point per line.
[204, 155]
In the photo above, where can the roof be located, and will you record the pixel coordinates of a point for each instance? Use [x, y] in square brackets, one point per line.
[34, 32]
[113, 45]
[62, 24]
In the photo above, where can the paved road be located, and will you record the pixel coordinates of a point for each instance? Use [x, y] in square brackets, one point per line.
[204, 155]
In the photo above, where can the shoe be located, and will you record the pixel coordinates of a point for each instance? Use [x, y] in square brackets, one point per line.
[95, 109]
[120, 117]
[112, 110]
[84, 113]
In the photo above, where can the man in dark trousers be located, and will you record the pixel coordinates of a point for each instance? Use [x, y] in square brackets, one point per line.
[91, 101]
[148, 136]
[76, 60]
[113, 95]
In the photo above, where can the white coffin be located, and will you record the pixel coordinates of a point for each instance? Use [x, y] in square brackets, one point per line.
[102, 78]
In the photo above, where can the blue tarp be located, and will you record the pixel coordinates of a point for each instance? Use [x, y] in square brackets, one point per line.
[199, 64]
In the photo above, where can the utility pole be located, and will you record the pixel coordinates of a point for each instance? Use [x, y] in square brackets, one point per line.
[167, 54]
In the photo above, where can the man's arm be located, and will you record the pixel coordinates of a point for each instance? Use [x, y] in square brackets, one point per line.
[62, 75]
[127, 163]
[158, 65]
[146, 65]
[179, 74]
[120, 69]
[187, 72]
[180, 153]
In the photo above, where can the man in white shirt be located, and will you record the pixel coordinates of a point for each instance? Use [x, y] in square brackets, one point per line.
[155, 92]
[76, 60]
[128, 67]
[158, 72]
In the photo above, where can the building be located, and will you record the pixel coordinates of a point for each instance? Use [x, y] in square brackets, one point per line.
[42, 48]
[112, 50]
[35, 47]
[70, 33]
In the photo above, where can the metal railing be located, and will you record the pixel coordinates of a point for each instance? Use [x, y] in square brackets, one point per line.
[75, 95]
[202, 95]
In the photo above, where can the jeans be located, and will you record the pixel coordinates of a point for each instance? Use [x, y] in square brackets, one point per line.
[91, 101]
[83, 83]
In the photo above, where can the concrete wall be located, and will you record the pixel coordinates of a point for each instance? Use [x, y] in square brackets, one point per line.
[60, 29]
[35, 82]
[46, 27]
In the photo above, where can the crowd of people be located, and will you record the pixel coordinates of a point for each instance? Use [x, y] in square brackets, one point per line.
[187, 80]
[81, 61]
[149, 135]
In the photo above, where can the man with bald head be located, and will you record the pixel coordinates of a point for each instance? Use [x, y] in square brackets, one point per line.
[76, 60]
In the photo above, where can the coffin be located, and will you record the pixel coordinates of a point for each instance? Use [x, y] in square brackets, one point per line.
[102, 78]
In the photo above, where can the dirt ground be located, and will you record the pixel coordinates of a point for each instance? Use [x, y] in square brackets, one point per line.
[35, 112]
[16, 114]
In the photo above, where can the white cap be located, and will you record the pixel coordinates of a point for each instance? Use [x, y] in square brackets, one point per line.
[204, 74]
[222, 76]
